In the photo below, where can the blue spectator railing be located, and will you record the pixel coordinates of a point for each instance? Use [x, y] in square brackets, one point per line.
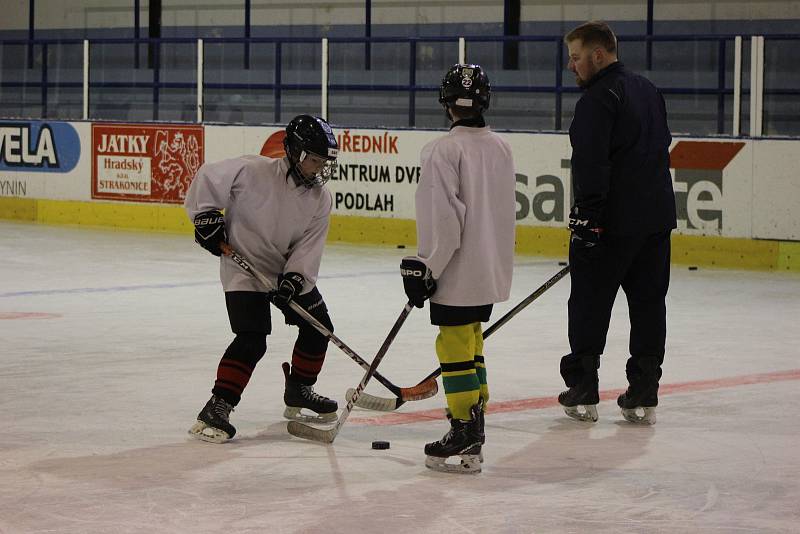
[45, 83]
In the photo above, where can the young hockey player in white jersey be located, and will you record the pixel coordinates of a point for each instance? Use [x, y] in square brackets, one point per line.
[276, 214]
[466, 212]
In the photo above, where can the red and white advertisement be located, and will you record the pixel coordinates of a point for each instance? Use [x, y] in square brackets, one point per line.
[145, 163]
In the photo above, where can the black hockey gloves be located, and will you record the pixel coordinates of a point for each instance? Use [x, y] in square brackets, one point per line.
[289, 285]
[209, 231]
[418, 281]
[585, 226]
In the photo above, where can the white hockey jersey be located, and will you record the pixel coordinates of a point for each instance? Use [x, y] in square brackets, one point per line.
[466, 212]
[277, 226]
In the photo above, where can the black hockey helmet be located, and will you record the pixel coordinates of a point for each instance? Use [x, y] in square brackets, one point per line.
[310, 135]
[466, 86]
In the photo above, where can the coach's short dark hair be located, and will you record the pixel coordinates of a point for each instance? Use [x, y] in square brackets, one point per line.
[596, 33]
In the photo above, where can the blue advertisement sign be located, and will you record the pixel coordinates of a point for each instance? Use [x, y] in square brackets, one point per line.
[38, 146]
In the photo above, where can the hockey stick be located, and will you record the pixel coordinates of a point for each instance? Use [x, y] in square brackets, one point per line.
[305, 431]
[383, 404]
[423, 390]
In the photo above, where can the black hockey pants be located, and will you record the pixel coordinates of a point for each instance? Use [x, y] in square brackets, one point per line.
[641, 266]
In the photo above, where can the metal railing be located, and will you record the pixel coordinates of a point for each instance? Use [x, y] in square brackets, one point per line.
[729, 86]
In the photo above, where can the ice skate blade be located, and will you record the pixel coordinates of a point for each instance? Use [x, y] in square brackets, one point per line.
[647, 416]
[470, 464]
[203, 432]
[588, 415]
[295, 414]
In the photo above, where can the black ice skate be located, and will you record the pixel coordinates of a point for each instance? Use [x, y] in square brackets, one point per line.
[298, 396]
[212, 422]
[464, 439]
[638, 405]
[584, 395]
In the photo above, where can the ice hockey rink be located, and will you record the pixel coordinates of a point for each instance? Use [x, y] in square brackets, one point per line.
[110, 342]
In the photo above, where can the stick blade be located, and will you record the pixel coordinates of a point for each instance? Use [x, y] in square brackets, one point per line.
[424, 390]
[373, 402]
[311, 433]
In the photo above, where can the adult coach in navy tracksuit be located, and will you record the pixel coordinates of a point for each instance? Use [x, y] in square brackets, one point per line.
[621, 220]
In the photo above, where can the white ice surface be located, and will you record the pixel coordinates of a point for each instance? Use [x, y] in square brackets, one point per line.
[95, 402]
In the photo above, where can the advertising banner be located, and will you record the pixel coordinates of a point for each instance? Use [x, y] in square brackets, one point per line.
[145, 163]
[42, 159]
[712, 195]
[378, 171]
[723, 187]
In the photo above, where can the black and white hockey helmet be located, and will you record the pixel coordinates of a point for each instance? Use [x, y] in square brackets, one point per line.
[466, 86]
[310, 135]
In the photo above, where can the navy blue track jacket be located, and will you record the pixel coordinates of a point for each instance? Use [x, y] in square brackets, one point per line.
[620, 154]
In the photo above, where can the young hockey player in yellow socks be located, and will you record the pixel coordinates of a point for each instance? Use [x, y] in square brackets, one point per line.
[466, 212]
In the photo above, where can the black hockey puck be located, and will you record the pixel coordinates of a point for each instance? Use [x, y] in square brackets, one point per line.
[693, 268]
[562, 264]
[380, 445]
[401, 246]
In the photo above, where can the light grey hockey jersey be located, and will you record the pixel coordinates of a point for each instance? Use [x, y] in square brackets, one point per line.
[466, 212]
[277, 226]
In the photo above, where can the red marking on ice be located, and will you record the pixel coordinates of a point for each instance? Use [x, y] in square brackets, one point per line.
[28, 315]
[538, 403]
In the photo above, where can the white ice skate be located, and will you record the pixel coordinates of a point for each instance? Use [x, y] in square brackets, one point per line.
[637, 407]
[586, 413]
[202, 431]
[213, 423]
[469, 464]
[642, 415]
[580, 401]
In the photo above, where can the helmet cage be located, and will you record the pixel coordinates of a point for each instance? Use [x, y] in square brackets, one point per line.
[307, 135]
[321, 176]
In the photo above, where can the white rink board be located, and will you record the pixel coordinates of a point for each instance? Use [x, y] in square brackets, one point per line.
[776, 190]
[754, 195]
[713, 204]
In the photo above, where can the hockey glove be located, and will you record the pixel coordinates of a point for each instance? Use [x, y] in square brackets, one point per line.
[289, 285]
[418, 281]
[209, 231]
[584, 226]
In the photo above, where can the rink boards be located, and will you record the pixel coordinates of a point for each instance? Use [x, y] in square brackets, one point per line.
[736, 199]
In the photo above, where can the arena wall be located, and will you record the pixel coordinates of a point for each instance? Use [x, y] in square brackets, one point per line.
[736, 199]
